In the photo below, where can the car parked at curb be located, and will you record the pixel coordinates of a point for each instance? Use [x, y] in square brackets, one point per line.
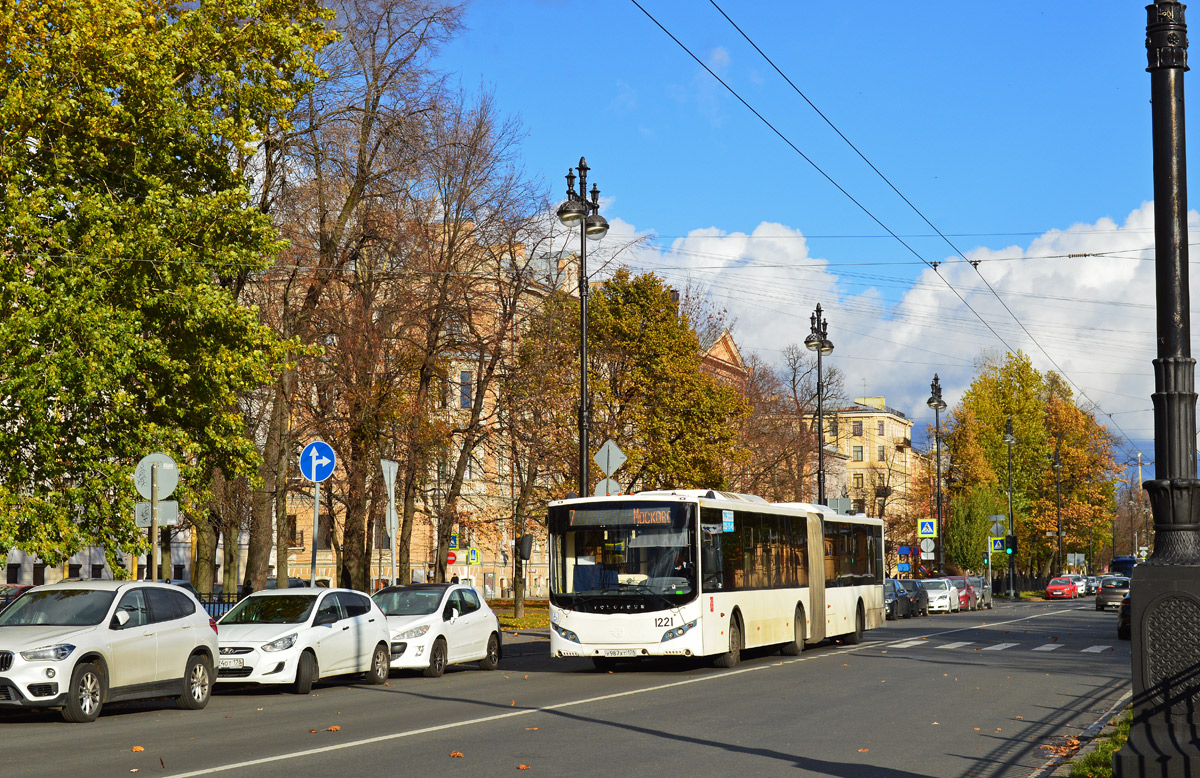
[968, 598]
[917, 595]
[943, 596]
[1124, 620]
[983, 590]
[1112, 591]
[896, 602]
[433, 626]
[1080, 584]
[294, 637]
[1061, 588]
[77, 646]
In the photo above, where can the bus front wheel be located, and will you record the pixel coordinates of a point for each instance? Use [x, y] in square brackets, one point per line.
[731, 657]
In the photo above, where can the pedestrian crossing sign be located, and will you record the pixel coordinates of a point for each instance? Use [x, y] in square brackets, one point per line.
[926, 528]
[996, 545]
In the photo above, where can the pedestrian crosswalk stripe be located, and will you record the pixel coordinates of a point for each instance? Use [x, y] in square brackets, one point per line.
[1048, 647]
[908, 644]
[1095, 649]
[999, 647]
[956, 645]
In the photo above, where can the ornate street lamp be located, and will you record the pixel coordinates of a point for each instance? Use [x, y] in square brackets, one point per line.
[1009, 440]
[818, 341]
[577, 211]
[936, 402]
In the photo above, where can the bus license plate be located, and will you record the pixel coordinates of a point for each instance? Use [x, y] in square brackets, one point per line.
[229, 664]
[620, 652]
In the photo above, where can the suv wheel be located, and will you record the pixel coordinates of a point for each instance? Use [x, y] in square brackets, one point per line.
[85, 695]
[197, 683]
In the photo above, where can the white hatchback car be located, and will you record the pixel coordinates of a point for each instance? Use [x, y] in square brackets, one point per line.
[297, 636]
[434, 625]
[78, 645]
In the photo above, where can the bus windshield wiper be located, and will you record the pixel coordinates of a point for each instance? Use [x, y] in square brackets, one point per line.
[645, 589]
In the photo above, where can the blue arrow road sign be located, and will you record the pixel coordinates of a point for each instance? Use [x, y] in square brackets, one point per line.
[317, 461]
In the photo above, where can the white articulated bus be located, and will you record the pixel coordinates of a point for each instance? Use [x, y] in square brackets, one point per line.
[704, 573]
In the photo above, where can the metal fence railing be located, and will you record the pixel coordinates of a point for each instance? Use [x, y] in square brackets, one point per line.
[217, 605]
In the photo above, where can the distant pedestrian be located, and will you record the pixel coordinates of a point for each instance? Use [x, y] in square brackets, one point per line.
[454, 579]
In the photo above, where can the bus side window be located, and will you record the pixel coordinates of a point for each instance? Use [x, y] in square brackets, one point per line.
[711, 561]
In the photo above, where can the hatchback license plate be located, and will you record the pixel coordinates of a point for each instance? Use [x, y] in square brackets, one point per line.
[620, 652]
[229, 664]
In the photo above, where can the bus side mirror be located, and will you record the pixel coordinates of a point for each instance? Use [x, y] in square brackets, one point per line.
[525, 547]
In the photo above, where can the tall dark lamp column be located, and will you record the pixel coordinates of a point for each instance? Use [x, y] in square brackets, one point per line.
[1164, 738]
[1009, 440]
[578, 211]
[818, 341]
[936, 402]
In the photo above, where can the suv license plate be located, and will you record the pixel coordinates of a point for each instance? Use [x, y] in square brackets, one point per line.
[229, 664]
[620, 652]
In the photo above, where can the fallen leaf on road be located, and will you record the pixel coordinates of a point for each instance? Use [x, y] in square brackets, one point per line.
[531, 729]
[161, 762]
[936, 724]
[228, 716]
[845, 665]
[456, 754]
[527, 678]
[975, 728]
[514, 702]
[863, 750]
[260, 708]
[1021, 717]
[312, 730]
[334, 728]
[138, 748]
[522, 767]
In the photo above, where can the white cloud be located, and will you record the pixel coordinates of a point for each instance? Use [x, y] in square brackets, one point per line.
[1084, 293]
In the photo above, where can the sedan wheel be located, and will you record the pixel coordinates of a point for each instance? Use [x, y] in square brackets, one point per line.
[492, 660]
[197, 683]
[437, 659]
[380, 665]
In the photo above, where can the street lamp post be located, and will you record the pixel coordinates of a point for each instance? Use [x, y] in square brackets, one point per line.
[936, 402]
[1009, 440]
[592, 226]
[818, 341]
[1057, 465]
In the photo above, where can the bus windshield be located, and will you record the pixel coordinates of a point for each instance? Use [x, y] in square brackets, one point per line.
[640, 552]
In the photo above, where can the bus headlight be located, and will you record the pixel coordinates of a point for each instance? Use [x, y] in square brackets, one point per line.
[565, 634]
[671, 634]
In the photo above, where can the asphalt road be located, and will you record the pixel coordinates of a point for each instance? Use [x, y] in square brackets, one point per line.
[969, 694]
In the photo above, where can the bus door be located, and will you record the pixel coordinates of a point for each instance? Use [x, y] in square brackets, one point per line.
[816, 577]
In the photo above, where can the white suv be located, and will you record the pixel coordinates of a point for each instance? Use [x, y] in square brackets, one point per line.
[78, 645]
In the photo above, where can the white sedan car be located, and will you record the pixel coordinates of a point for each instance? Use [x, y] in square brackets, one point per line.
[943, 596]
[434, 625]
[297, 636]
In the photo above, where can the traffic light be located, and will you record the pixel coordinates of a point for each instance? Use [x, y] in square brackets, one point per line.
[1010, 544]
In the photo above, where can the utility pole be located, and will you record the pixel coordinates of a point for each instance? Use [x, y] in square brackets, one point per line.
[1166, 588]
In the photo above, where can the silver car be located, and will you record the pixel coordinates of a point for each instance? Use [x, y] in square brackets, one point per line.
[76, 646]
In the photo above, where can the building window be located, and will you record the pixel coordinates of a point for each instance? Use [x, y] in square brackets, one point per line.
[857, 452]
[97, 571]
[879, 427]
[879, 454]
[833, 429]
[860, 506]
[177, 572]
[464, 389]
[74, 571]
[14, 573]
[39, 573]
[856, 429]
[858, 481]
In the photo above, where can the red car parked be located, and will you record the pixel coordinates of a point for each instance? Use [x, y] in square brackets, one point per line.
[1061, 589]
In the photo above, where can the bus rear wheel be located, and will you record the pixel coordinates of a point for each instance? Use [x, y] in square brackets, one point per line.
[855, 637]
[796, 645]
[731, 657]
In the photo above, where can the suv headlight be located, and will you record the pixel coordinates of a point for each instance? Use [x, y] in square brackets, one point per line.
[48, 653]
[282, 644]
[410, 634]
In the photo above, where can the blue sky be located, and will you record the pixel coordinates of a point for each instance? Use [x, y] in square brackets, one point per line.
[1020, 130]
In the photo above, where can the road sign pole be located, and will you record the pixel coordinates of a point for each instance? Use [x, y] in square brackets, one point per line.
[312, 568]
[154, 544]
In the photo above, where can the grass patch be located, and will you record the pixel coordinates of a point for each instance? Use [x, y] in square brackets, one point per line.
[1098, 762]
[537, 614]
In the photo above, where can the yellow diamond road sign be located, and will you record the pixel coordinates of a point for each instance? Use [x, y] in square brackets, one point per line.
[927, 528]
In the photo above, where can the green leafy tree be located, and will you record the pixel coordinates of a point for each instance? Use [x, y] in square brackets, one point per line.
[122, 221]
[966, 536]
[677, 425]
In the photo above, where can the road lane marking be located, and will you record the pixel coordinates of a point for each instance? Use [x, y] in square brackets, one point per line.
[1095, 649]
[999, 647]
[512, 714]
[1048, 647]
[908, 644]
[956, 645]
